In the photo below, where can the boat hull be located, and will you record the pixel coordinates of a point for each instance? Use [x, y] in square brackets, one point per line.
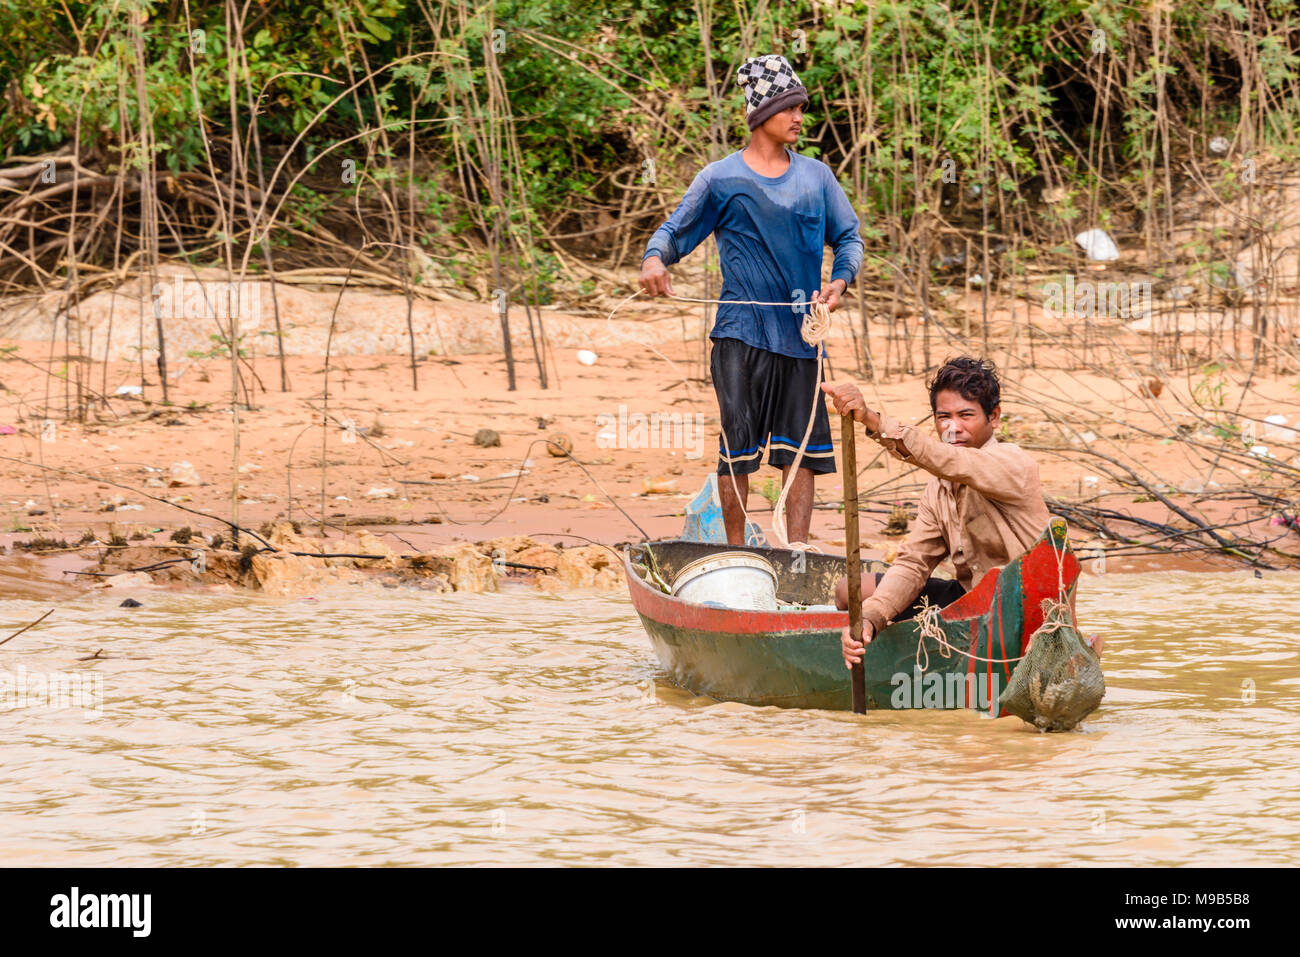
[791, 659]
[796, 668]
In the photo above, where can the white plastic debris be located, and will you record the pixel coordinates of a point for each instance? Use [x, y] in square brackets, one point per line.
[1219, 145]
[1275, 427]
[1090, 481]
[587, 357]
[183, 474]
[1098, 245]
[1259, 451]
[384, 492]
[129, 390]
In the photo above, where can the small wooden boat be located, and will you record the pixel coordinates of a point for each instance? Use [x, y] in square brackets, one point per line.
[791, 658]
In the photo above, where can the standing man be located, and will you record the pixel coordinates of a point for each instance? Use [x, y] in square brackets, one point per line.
[772, 213]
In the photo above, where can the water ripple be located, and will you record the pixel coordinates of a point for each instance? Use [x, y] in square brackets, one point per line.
[372, 726]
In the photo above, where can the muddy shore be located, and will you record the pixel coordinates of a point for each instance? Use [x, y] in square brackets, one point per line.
[436, 483]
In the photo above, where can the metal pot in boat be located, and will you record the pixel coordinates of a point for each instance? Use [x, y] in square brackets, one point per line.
[729, 579]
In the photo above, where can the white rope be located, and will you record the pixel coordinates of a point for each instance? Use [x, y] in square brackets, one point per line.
[928, 619]
[816, 326]
[814, 330]
[1060, 559]
[609, 324]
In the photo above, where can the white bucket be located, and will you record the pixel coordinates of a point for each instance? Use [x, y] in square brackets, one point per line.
[730, 579]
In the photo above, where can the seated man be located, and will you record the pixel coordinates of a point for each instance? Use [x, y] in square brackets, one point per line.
[983, 505]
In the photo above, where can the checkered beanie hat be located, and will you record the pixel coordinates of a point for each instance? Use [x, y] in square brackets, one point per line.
[770, 86]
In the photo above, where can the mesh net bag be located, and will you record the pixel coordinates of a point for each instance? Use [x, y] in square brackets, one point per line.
[1059, 682]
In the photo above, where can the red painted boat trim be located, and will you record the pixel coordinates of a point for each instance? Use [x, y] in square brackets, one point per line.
[668, 610]
[1037, 564]
[974, 650]
[1002, 639]
[988, 665]
[976, 601]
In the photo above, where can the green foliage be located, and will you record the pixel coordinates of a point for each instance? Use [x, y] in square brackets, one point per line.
[591, 89]
[66, 87]
[1210, 393]
[220, 348]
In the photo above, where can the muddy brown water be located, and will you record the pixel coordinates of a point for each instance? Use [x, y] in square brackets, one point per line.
[373, 726]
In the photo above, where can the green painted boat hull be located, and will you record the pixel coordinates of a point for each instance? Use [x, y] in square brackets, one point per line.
[792, 659]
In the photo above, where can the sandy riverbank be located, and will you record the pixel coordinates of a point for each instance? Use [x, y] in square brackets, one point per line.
[402, 469]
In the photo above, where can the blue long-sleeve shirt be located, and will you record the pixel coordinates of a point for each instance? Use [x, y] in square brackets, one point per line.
[770, 233]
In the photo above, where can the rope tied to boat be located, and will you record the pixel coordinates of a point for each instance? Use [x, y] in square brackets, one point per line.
[928, 620]
[1055, 616]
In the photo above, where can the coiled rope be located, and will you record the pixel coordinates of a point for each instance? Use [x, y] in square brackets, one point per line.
[928, 619]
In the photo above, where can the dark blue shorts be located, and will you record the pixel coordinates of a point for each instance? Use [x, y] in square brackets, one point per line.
[764, 399]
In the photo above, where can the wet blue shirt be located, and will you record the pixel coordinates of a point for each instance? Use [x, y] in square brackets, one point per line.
[770, 233]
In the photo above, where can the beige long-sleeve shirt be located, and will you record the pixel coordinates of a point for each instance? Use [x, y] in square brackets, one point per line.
[982, 508]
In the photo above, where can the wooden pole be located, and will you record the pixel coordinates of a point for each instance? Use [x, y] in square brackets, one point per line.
[849, 440]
